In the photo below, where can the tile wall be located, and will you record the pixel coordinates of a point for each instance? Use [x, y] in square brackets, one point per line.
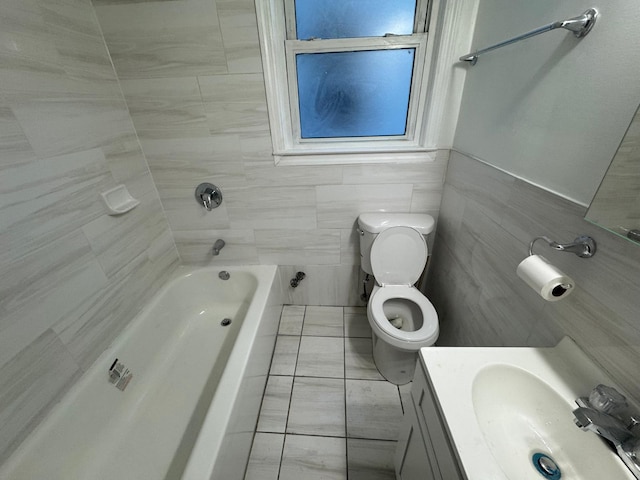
[70, 276]
[486, 222]
[192, 77]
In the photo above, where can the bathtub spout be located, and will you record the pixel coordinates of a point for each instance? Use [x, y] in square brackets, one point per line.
[218, 246]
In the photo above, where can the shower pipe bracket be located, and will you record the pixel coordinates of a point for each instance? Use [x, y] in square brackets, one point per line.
[580, 26]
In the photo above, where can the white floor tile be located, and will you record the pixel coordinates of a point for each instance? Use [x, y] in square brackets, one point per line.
[266, 453]
[317, 407]
[371, 459]
[285, 356]
[358, 359]
[321, 357]
[356, 323]
[373, 410]
[324, 321]
[275, 404]
[291, 320]
[314, 458]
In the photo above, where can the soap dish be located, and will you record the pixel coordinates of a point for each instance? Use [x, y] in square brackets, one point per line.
[118, 200]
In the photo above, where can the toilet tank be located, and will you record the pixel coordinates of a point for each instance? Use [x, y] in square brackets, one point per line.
[371, 224]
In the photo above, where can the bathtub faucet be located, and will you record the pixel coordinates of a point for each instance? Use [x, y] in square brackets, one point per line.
[218, 246]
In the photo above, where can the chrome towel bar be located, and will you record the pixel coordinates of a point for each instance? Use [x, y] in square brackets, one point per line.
[580, 26]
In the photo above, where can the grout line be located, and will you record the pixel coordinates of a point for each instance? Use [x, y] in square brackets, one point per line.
[344, 369]
[293, 381]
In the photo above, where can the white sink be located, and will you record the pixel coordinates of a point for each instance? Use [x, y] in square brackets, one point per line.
[520, 415]
[503, 405]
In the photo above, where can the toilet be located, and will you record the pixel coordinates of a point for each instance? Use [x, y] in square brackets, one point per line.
[393, 249]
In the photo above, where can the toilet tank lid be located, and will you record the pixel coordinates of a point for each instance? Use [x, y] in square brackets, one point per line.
[376, 222]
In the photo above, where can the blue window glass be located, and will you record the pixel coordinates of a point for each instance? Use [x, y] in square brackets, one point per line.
[353, 18]
[354, 94]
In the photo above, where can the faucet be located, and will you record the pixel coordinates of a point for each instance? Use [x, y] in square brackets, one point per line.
[605, 425]
[603, 419]
[218, 246]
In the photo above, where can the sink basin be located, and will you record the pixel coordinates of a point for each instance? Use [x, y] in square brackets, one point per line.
[520, 415]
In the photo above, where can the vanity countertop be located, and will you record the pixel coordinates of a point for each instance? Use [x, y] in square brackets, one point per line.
[476, 389]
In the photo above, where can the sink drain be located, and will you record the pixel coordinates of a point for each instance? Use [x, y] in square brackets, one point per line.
[546, 466]
[225, 322]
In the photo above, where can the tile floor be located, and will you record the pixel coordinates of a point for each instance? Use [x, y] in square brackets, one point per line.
[326, 413]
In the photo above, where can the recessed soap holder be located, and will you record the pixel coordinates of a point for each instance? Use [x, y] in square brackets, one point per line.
[118, 200]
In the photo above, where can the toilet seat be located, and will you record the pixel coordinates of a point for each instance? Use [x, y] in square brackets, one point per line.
[425, 336]
[398, 257]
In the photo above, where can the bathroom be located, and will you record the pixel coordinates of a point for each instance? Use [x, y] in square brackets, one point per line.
[161, 96]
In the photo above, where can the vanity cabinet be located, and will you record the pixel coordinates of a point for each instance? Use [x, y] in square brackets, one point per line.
[424, 451]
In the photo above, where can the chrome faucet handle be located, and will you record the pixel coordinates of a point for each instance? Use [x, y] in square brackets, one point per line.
[206, 200]
[607, 399]
[208, 195]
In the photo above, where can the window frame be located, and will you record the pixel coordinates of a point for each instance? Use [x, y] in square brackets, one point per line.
[294, 47]
[280, 78]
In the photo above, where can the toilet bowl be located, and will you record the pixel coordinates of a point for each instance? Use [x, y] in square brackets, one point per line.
[402, 319]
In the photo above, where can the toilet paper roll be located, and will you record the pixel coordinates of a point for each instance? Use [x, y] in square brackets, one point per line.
[549, 282]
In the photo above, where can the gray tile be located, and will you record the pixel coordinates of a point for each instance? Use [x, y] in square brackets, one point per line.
[323, 321]
[47, 199]
[489, 189]
[358, 360]
[266, 453]
[373, 410]
[339, 205]
[314, 458]
[91, 327]
[356, 323]
[318, 288]
[271, 208]
[371, 459]
[166, 107]
[431, 173]
[187, 160]
[163, 39]
[246, 88]
[48, 370]
[295, 247]
[285, 355]
[317, 407]
[275, 404]
[195, 247]
[240, 35]
[291, 320]
[321, 357]
[118, 240]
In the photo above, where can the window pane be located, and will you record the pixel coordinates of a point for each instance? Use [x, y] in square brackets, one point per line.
[354, 94]
[353, 18]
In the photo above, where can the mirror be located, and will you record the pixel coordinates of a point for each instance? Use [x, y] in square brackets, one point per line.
[616, 205]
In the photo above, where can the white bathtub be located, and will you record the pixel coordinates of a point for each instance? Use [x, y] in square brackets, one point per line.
[189, 410]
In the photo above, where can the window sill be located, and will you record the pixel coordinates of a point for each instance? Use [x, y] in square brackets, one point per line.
[415, 155]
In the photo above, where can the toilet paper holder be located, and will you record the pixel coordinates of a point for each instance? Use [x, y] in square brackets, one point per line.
[583, 246]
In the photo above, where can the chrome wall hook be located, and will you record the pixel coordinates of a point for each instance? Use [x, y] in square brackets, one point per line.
[208, 195]
[583, 246]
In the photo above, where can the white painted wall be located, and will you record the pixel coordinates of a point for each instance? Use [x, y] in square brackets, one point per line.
[552, 109]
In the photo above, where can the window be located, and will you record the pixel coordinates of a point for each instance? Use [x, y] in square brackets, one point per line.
[346, 79]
